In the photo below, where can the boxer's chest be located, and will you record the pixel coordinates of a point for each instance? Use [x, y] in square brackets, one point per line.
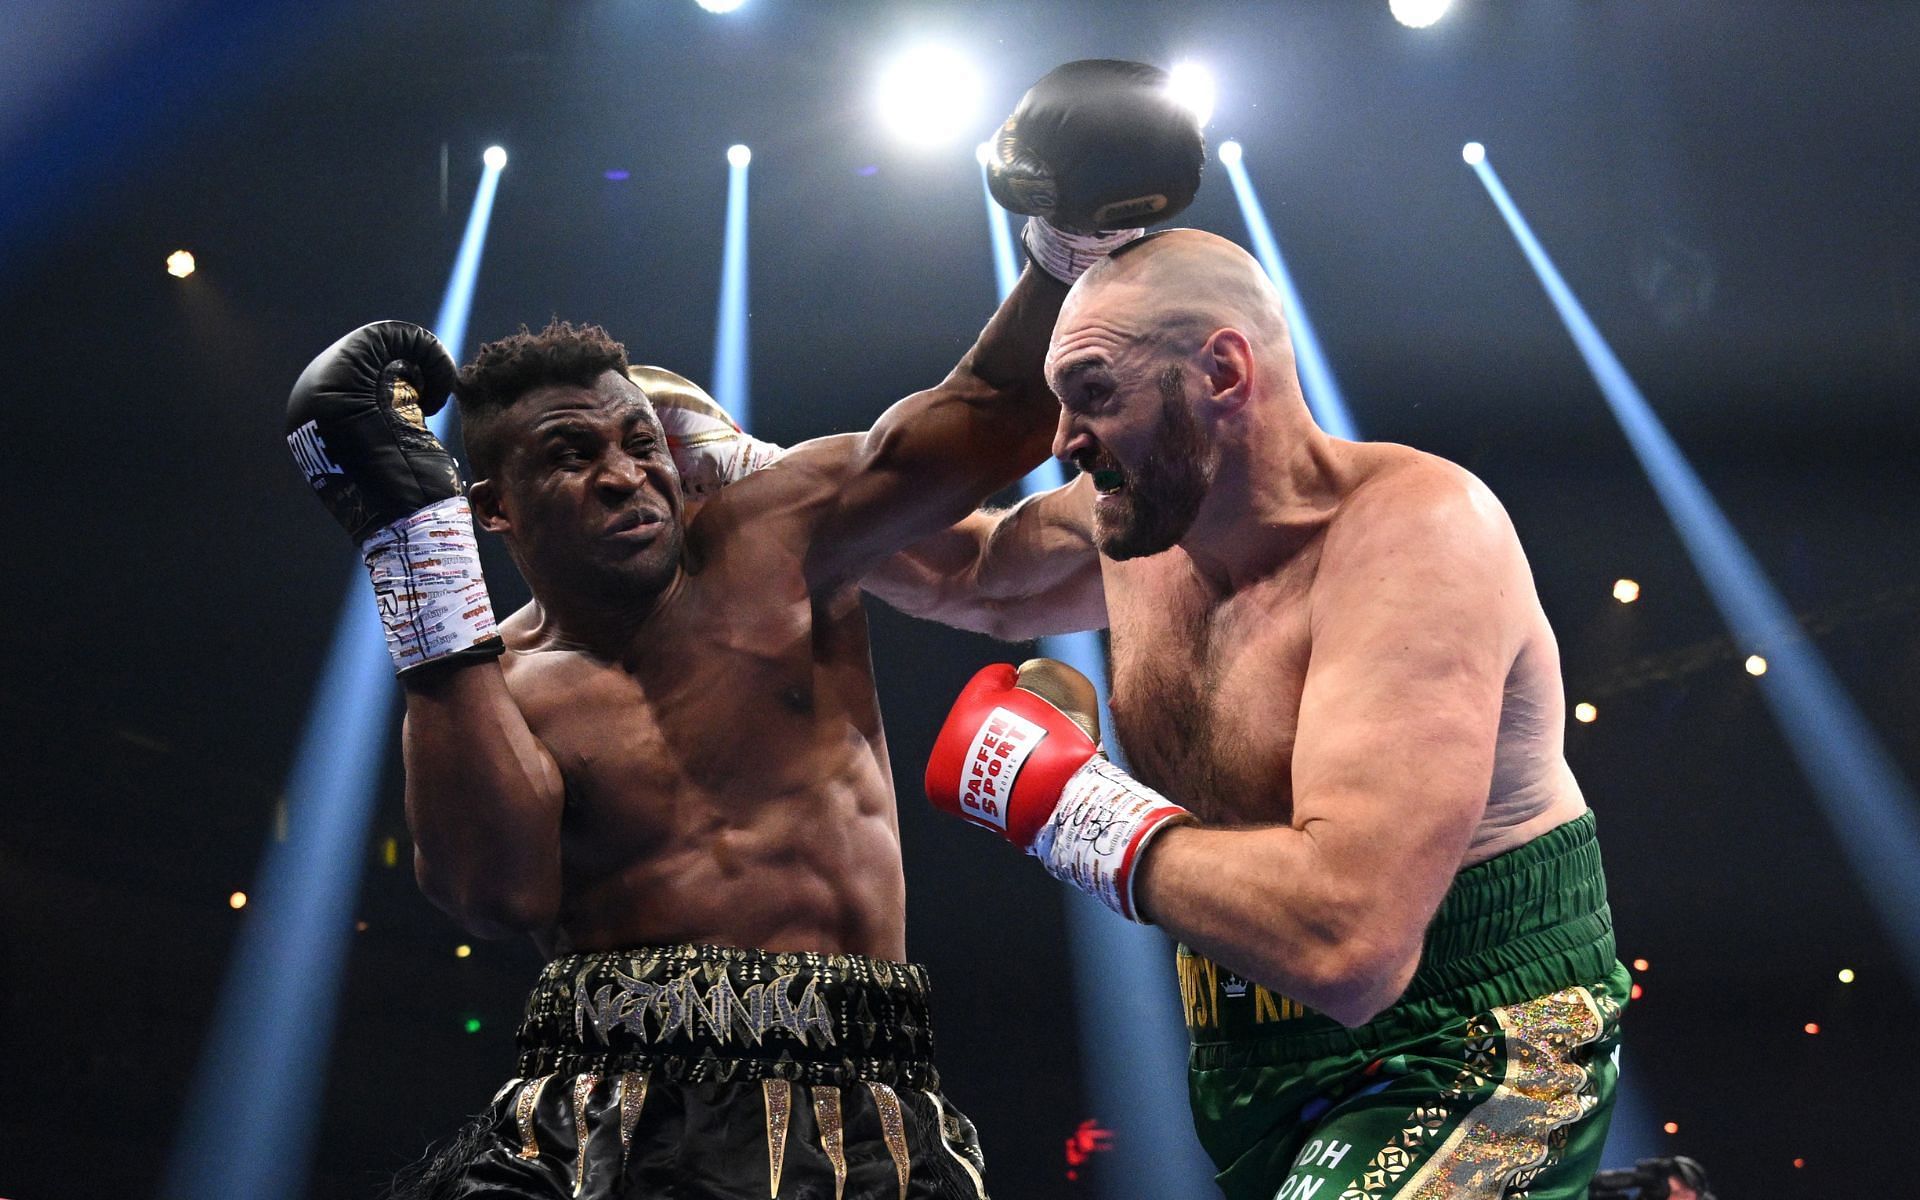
[708, 722]
[1206, 695]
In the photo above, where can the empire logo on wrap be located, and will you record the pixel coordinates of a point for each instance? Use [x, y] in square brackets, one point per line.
[993, 762]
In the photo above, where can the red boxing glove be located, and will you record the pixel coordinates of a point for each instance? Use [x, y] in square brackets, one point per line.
[1017, 755]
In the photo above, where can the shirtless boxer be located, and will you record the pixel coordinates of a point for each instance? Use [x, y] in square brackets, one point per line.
[1343, 709]
[669, 768]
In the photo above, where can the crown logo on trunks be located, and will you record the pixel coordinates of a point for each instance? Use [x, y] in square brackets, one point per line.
[657, 1013]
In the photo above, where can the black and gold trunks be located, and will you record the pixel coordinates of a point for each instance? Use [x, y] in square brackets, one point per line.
[712, 1071]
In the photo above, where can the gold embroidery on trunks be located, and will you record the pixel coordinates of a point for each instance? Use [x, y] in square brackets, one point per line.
[950, 1134]
[523, 1116]
[779, 1098]
[633, 1097]
[582, 1092]
[826, 1114]
[1543, 1088]
[894, 1130]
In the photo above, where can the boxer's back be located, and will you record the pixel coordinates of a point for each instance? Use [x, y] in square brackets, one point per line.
[728, 782]
[1207, 688]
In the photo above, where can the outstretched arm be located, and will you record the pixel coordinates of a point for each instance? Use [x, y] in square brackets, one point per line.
[1015, 574]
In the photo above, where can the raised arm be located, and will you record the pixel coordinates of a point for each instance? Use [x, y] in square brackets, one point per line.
[933, 457]
[484, 801]
[1094, 148]
[1015, 574]
[483, 796]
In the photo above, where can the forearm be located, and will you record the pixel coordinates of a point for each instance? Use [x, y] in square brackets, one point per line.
[1014, 574]
[483, 802]
[1269, 905]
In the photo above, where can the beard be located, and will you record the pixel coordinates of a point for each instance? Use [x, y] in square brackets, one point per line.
[1161, 498]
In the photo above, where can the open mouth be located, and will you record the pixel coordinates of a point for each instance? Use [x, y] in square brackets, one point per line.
[1108, 478]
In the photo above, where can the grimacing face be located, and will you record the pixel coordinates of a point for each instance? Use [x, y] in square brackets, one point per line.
[590, 491]
[1129, 423]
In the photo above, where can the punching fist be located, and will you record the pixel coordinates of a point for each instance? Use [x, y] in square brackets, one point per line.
[709, 450]
[1094, 151]
[1019, 755]
[357, 427]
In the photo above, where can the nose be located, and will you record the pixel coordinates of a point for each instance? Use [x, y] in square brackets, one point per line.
[1068, 437]
[620, 475]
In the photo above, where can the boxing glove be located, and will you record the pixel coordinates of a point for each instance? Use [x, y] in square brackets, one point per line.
[1019, 755]
[1093, 152]
[709, 450]
[356, 424]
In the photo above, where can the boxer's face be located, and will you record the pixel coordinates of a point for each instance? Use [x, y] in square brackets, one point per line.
[1127, 419]
[587, 495]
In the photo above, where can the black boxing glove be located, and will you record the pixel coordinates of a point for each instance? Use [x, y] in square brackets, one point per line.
[356, 423]
[1094, 152]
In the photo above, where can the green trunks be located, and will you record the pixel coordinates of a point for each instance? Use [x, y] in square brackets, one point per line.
[1492, 1076]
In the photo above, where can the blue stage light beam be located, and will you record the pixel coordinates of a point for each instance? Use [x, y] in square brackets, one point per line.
[1870, 805]
[251, 1115]
[730, 379]
[1140, 1094]
[1316, 373]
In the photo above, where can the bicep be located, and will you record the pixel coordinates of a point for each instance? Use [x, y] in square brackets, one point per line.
[1401, 709]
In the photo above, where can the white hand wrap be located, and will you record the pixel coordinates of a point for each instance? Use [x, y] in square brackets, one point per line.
[1066, 256]
[709, 450]
[715, 460]
[1098, 831]
[426, 576]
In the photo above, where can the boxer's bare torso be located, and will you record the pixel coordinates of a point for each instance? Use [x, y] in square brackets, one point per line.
[727, 781]
[1207, 686]
[682, 741]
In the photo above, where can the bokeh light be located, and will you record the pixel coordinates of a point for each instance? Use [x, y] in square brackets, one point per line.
[930, 94]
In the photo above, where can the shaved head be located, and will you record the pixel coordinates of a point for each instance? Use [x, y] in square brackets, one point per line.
[1173, 289]
[1170, 357]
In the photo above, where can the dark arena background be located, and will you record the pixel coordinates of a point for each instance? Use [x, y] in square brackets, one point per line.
[1728, 193]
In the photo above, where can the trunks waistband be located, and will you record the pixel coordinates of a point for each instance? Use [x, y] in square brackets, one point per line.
[1527, 923]
[731, 1014]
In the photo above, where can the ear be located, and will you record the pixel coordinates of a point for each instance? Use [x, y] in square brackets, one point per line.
[1227, 361]
[489, 510]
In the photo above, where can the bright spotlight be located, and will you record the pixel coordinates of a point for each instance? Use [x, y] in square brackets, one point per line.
[1756, 666]
[1418, 14]
[1846, 974]
[180, 264]
[1191, 86]
[1474, 153]
[1229, 153]
[237, 900]
[495, 157]
[1585, 713]
[720, 6]
[930, 95]
[1626, 591]
[983, 153]
[738, 155]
